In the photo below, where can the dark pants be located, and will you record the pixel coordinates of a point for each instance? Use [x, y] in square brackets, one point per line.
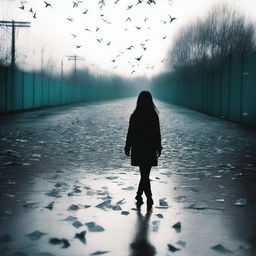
[144, 185]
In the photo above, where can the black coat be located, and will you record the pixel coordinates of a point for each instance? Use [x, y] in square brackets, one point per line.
[144, 139]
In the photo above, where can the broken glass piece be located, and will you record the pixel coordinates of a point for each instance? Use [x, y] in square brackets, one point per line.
[116, 207]
[60, 184]
[155, 225]
[21, 140]
[36, 155]
[9, 195]
[73, 207]
[77, 224]
[99, 252]
[121, 201]
[124, 213]
[55, 241]
[129, 188]
[81, 236]
[162, 202]
[103, 204]
[181, 243]
[71, 218]
[162, 207]
[50, 205]
[105, 197]
[112, 177]
[36, 235]
[220, 248]
[172, 248]
[63, 241]
[194, 179]
[159, 215]
[77, 189]
[241, 202]
[26, 164]
[180, 198]
[54, 193]
[30, 204]
[93, 227]
[177, 227]
[84, 206]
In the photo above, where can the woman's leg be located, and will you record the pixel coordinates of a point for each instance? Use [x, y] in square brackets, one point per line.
[144, 185]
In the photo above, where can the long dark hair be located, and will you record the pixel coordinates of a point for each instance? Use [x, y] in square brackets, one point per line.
[145, 104]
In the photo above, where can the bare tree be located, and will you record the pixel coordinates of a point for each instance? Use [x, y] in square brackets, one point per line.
[211, 41]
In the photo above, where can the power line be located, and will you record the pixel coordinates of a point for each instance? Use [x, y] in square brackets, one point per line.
[14, 24]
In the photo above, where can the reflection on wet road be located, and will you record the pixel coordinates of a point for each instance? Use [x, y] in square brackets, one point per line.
[67, 187]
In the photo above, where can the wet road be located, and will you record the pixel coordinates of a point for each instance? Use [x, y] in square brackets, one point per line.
[63, 171]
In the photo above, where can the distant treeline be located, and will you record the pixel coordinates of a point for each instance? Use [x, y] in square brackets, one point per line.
[212, 66]
[211, 41]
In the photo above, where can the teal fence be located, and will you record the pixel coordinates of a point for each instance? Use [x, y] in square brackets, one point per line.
[228, 92]
[24, 90]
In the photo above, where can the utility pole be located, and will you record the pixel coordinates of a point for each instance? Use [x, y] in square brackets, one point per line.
[10, 91]
[14, 24]
[75, 58]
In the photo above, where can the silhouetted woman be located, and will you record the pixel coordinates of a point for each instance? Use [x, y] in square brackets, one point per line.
[144, 141]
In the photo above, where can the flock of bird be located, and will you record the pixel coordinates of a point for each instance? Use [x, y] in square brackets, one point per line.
[101, 3]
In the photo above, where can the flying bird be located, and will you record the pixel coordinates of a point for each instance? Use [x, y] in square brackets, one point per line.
[172, 18]
[128, 19]
[138, 27]
[85, 11]
[97, 29]
[144, 48]
[133, 72]
[74, 36]
[130, 47]
[22, 7]
[87, 29]
[78, 46]
[75, 4]
[139, 2]
[108, 44]
[129, 7]
[164, 21]
[138, 58]
[164, 37]
[31, 10]
[47, 4]
[34, 16]
[114, 60]
[117, 1]
[145, 20]
[100, 40]
[151, 2]
[70, 19]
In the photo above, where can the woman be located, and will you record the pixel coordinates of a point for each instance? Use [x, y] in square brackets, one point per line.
[144, 141]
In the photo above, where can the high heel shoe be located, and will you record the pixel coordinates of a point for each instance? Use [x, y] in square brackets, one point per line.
[139, 201]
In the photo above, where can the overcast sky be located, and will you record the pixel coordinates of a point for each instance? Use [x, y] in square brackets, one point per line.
[148, 30]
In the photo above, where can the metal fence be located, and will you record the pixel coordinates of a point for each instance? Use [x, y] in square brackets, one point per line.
[21, 90]
[227, 92]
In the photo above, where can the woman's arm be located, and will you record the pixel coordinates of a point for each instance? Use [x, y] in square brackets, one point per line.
[158, 137]
[129, 136]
